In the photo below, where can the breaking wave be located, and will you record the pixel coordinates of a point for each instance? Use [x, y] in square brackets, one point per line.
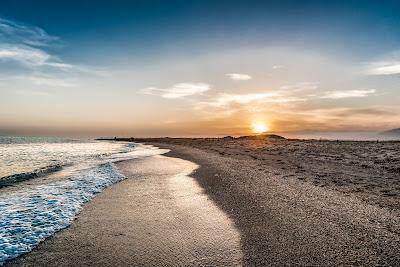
[29, 216]
[16, 178]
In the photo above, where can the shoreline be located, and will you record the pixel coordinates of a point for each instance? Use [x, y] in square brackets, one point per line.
[281, 220]
[367, 170]
[158, 216]
[291, 222]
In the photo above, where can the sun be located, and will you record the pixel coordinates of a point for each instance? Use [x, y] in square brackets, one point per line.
[260, 127]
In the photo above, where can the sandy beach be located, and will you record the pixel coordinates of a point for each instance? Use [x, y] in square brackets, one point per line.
[245, 203]
[200, 133]
[285, 217]
[157, 217]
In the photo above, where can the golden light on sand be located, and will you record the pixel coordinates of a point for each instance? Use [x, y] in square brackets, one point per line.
[260, 127]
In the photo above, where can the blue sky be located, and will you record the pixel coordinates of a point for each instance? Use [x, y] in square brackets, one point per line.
[143, 28]
[198, 67]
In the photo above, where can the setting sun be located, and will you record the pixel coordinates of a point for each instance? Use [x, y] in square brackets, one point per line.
[260, 128]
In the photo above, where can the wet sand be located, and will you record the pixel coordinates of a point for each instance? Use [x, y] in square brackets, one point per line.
[369, 170]
[157, 217]
[284, 220]
[276, 214]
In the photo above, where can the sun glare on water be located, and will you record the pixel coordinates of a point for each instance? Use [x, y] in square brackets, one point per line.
[259, 128]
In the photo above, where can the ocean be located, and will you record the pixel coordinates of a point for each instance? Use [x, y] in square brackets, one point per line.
[45, 181]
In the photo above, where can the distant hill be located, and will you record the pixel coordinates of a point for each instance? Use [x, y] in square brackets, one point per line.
[263, 136]
[161, 139]
[392, 133]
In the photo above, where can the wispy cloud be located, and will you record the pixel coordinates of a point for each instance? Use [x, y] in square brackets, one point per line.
[16, 32]
[50, 81]
[25, 55]
[384, 68]
[35, 81]
[178, 90]
[24, 44]
[228, 99]
[28, 46]
[348, 94]
[35, 58]
[239, 76]
[370, 111]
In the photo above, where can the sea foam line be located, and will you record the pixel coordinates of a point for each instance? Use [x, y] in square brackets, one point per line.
[30, 216]
[20, 177]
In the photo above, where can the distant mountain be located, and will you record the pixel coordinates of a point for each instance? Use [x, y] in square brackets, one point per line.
[394, 133]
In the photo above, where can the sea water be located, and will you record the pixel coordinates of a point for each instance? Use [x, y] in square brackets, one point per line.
[45, 181]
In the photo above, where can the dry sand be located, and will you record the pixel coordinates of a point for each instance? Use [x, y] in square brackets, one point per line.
[305, 203]
[285, 217]
[370, 170]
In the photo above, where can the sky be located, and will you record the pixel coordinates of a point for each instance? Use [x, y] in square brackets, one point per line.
[199, 68]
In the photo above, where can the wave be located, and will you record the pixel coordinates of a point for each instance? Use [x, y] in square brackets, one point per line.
[29, 215]
[20, 177]
[131, 150]
[32, 215]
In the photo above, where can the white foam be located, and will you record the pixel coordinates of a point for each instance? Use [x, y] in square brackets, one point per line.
[29, 216]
